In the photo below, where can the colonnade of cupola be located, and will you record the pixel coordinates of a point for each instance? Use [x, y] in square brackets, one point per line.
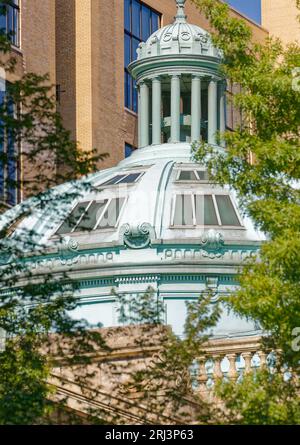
[180, 107]
[181, 91]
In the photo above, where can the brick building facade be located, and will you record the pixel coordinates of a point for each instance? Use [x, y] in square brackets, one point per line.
[72, 41]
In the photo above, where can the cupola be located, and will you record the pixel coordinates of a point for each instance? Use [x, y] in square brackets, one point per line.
[181, 91]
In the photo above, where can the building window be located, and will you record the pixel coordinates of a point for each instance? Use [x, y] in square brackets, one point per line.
[129, 149]
[93, 215]
[193, 175]
[140, 22]
[9, 20]
[126, 178]
[8, 151]
[204, 210]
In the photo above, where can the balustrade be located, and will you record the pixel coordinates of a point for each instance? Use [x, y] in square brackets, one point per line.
[229, 360]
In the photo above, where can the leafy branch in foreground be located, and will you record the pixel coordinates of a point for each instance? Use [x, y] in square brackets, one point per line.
[266, 187]
[34, 309]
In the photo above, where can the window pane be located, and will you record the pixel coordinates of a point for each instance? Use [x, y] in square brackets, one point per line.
[187, 176]
[91, 217]
[226, 210]
[154, 22]
[130, 178]
[128, 150]
[136, 27]
[205, 210]
[127, 52]
[203, 175]
[210, 217]
[73, 218]
[2, 19]
[111, 215]
[183, 211]
[114, 180]
[146, 22]
[127, 88]
[127, 15]
[135, 44]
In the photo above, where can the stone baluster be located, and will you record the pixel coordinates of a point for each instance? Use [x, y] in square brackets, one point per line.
[247, 357]
[263, 359]
[202, 377]
[232, 373]
[217, 367]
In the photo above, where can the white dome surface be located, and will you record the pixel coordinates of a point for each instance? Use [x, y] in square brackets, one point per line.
[179, 37]
[146, 247]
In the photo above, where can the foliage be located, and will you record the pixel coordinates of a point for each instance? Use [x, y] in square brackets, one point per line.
[34, 310]
[164, 384]
[141, 308]
[262, 163]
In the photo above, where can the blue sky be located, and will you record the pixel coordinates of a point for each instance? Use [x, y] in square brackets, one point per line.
[250, 8]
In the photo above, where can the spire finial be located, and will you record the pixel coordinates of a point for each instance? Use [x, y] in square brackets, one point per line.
[180, 16]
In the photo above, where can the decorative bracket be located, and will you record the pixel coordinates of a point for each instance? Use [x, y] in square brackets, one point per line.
[136, 236]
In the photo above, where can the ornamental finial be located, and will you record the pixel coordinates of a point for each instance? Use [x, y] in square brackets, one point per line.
[180, 16]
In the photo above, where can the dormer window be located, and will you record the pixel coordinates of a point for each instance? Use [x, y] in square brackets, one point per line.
[126, 178]
[204, 210]
[93, 215]
[192, 175]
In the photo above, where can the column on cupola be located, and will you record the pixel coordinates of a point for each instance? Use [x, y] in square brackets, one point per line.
[222, 110]
[212, 110]
[139, 117]
[144, 114]
[156, 111]
[175, 108]
[196, 108]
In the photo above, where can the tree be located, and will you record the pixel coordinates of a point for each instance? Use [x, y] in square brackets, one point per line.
[267, 190]
[34, 317]
[165, 384]
[261, 163]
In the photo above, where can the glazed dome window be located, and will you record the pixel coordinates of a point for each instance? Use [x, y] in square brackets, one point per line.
[93, 215]
[192, 175]
[126, 178]
[204, 210]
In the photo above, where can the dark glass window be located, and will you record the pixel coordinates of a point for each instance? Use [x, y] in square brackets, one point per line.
[114, 180]
[140, 22]
[128, 150]
[127, 178]
[9, 20]
[8, 150]
[226, 211]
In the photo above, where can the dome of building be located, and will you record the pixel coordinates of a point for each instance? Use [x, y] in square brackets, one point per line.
[155, 219]
[179, 37]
